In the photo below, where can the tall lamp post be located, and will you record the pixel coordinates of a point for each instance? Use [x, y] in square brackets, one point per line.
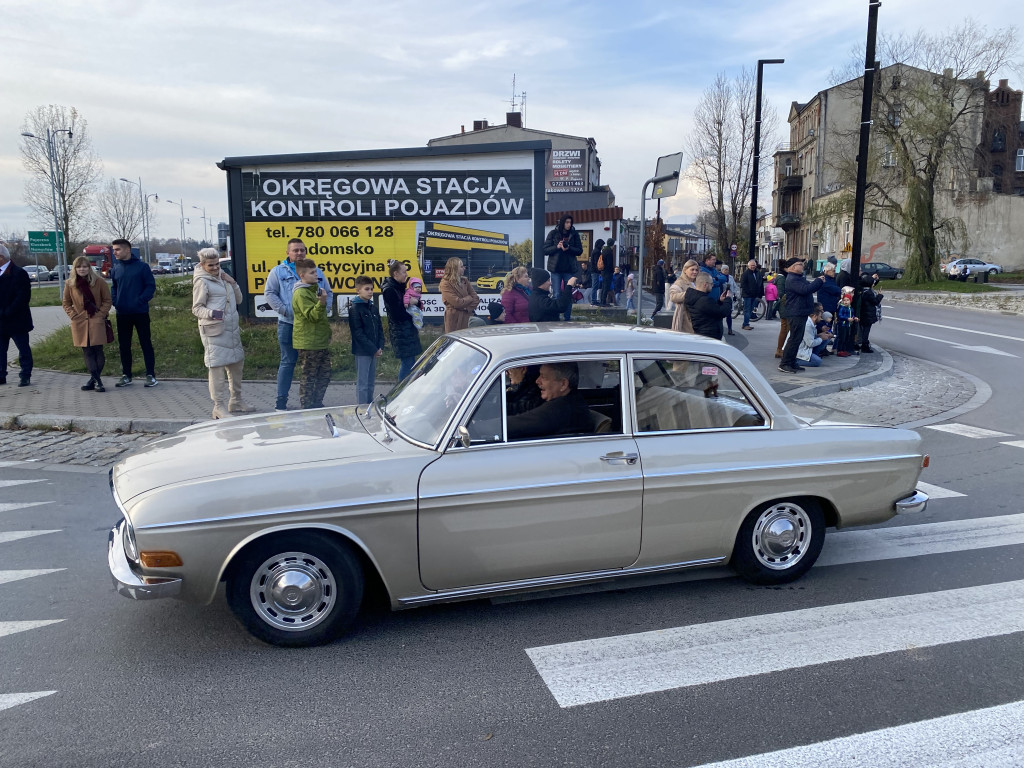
[203, 209]
[181, 209]
[51, 139]
[144, 200]
[757, 154]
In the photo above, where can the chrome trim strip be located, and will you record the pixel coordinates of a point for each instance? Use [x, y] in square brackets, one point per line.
[912, 504]
[126, 581]
[552, 581]
[636, 476]
[791, 465]
[291, 510]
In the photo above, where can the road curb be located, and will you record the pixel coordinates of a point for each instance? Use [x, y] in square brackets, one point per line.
[64, 422]
[982, 393]
[840, 385]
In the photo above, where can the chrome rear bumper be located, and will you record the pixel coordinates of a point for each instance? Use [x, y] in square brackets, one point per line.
[126, 581]
[912, 504]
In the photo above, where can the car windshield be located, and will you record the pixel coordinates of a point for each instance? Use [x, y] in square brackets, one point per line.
[420, 405]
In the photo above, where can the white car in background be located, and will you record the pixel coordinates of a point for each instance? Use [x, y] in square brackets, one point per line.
[976, 266]
[37, 273]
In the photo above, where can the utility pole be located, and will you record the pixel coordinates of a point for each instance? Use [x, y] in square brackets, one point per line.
[757, 156]
[870, 66]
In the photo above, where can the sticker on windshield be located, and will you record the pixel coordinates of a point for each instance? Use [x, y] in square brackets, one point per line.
[709, 370]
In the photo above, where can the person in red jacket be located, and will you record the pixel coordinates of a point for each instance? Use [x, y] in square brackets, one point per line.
[516, 296]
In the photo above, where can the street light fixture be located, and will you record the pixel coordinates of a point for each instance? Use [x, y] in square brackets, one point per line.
[181, 209]
[203, 209]
[51, 150]
[144, 199]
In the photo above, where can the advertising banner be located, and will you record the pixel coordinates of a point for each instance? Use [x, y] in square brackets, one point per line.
[568, 171]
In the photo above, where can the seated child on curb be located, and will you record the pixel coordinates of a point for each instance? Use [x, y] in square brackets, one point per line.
[367, 338]
[311, 336]
[414, 301]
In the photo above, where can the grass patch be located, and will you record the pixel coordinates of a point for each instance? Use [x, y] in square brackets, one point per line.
[1007, 277]
[45, 296]
[947, 286]
[179, 350]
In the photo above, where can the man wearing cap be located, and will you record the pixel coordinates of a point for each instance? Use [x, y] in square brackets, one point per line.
[799, 305]
[658, 286]
[543, 308]
[15, 316]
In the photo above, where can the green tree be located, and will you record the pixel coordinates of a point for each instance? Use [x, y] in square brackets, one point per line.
[522, 253]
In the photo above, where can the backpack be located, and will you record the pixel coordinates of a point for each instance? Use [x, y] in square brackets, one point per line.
[600, 262]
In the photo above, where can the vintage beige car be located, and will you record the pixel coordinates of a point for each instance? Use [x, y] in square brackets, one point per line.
[513, 458]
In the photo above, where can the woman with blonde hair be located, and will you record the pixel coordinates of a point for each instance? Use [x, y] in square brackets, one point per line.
[458, 296]
[215, 300]
[516, 296]
[87, 302]
[676, 294]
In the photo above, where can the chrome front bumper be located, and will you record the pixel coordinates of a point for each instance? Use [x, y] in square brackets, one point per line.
[126, 581]
[912, 504]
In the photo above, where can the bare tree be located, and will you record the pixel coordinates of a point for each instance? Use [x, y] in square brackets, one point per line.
[119, 211]
[77, 168]
[17, 245]
[926, 130]
[721, 149]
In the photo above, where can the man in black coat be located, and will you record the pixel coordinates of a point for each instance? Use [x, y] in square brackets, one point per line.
[563, 412]
[706, 313]
[562, 247]
[658, 286]
[542, 307]
[799, 306]
[15, 316]
[608, 272]
[752, 289]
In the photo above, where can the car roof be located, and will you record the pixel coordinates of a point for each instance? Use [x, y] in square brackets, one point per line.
[582, 338]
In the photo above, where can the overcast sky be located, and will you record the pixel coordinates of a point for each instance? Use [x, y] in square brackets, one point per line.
[170, 88]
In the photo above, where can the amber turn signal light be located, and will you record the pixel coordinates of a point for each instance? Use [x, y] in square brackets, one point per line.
[160, 559]
[925, 461]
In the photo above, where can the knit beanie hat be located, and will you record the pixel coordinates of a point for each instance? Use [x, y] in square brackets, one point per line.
[539, 276]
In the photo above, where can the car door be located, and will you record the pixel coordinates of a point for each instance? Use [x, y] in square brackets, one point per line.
[503, 510]
[701, 437]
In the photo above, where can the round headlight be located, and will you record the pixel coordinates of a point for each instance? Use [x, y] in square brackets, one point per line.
[128, 541]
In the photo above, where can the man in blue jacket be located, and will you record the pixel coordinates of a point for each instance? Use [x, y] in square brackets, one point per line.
[132, 290]
[280, 283]
[719, 282]
[799, 306]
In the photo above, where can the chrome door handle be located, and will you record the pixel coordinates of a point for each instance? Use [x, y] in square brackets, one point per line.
[629, 458]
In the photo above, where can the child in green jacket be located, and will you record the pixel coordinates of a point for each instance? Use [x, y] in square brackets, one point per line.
[311, 336]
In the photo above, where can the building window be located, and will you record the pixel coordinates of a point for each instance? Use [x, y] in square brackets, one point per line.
[999, 140]
[894, 115]
[1020, 159]
[888, 159]
[895, 82]
[997, 170]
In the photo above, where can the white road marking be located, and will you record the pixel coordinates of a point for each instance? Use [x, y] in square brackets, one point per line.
[965, 430]
[9, 463]
[984, 738]
[6, 536]
[12, 627]
[8, 700]
[923, 539]
[10, 507]
[955, 328]
[968, 347]
[12, 483]
[935, 492]
[1014, 443]
[590, 671]
[8, 576]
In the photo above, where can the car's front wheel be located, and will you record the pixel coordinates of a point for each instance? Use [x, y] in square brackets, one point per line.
[779, 542]
[993, 271]
[296, 589]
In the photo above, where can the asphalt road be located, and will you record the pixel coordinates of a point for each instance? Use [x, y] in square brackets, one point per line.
[904, 646]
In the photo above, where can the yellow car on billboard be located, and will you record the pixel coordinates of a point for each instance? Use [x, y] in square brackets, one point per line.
[491, 283]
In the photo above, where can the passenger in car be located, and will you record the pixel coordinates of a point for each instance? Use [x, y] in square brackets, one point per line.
[563, 412]
[522, 393]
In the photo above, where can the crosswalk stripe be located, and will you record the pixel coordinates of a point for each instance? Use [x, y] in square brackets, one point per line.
[10, 507]
[935, 492]
[966, 430]
[12, 483]
[589, 671]
[8, 700]
[9, 463]
[1014, 443]
[921, 539]
[13, 627]
[6, 536]
[983, 738]
[8, 576]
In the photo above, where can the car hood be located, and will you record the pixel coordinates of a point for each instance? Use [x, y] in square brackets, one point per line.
[249, 445]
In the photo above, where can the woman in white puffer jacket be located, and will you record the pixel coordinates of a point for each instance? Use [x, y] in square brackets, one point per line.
[215, 300]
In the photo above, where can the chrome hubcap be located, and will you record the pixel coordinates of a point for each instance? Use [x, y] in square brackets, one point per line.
[781, 536]
[293, 591]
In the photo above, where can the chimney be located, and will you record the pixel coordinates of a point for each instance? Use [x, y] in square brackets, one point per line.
[463, 128]
[514, 119]
[1004, 83]
[479, 125]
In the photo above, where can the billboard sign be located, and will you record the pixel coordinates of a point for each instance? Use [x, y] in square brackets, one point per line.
[568, 170]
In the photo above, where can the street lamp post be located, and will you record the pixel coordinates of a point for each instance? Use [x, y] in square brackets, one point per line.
[51, 138]
[181, 209]
[203, 209]
[144, 200]
[757, 154]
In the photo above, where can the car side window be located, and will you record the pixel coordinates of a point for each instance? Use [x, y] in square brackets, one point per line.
[485, 424]
[676, 394]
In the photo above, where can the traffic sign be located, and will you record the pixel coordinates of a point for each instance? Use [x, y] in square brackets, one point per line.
[667, 166]
[45, 242]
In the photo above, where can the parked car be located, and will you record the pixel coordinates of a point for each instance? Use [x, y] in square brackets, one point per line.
[37, 273]
[55, 273]
[976, 266]
[159, 269]
[679, 455]
[883, 270]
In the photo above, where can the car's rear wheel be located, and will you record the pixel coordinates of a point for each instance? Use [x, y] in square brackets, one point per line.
[501, 286]
[779, 542]
[899, 276]
[296, 589]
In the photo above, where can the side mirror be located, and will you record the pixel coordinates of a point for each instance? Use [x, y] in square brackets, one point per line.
[463, 437]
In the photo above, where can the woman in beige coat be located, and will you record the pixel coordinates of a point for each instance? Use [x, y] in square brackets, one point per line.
[458, 296]
[681, 318]
[215, 300]
[87, 302]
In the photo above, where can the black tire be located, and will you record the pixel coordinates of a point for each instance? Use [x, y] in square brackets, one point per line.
[798, 532]
[993, 271]
[899, 276]
[501, 286]
[325, 581]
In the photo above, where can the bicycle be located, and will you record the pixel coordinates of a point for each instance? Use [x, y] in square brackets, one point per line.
[760, 308]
